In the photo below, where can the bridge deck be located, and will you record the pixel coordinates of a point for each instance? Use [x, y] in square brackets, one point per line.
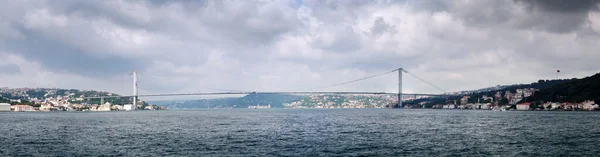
[244, 93]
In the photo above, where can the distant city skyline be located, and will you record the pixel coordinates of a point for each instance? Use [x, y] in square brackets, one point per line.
[202, 46]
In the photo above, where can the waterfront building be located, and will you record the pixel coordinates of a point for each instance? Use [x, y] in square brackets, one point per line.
[551, 105]
[523, 106]
[117, 107]
[21, 108]
[450, 106]
[149, 107]
[128, 107]
[479, 106]
[589, 105]
[45, 106]
[4, 107]
[259, 107]
[104, 107]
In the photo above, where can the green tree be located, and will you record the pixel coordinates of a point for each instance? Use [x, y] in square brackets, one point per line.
[504, 101]
[532, 106]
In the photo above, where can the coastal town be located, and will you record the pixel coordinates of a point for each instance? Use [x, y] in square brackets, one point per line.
[515, 102]
[343, 101]
[523, 97]
[43, 99]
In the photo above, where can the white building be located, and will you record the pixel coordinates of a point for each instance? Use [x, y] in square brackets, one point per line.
[149, 107]
[523, 106]
[20, 108]
[45, 107]
[449, 106]
[551, 105]
[259, 107]
[4, 107]
[589, 105]
[128, 107]
[479, 106]
[105, 107]
[117, 107]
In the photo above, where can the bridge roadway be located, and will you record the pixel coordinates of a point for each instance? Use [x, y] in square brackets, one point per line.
[244, 93]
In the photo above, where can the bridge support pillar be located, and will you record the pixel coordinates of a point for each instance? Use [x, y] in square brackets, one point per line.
[400, 87]
[135, 91]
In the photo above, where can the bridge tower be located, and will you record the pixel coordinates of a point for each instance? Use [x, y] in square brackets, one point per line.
[400, 70]
[135, 91]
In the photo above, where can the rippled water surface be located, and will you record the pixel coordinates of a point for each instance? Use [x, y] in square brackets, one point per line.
[297, 132]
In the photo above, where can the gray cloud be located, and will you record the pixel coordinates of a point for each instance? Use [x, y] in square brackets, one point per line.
[186, 46]
[61, 57]
[558, 16]
[381, 27]
[582, 6]
[9, 69]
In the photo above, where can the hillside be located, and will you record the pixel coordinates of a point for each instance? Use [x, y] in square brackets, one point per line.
[2, 100]
[276, 101]
[28, 95]
[546, 90]
[575, 90]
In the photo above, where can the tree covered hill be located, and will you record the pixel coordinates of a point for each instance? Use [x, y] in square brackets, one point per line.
[574, 90]
[275, 100]
[28, 95]
[2, 100]
[560, 90]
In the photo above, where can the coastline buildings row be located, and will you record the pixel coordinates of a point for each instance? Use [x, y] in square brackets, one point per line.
[73, 107]
[259, 107]
[343, 101]
[583, 106]
[45, 99]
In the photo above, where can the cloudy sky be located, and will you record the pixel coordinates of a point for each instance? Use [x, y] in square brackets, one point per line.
[196, 46]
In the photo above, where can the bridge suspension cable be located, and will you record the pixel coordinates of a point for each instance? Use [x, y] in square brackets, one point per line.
[351, 81]
[373, 76]
[221, 89]
[425, 81]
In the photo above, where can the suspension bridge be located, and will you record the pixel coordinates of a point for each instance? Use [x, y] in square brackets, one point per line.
[400, 71]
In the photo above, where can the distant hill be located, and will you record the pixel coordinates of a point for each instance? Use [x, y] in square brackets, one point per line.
[546, 87]
[29, 94]
[574, 90]
[541, 84]
[276, 101]
[2, 100]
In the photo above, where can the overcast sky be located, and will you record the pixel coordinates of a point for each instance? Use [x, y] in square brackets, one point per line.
[193, 46]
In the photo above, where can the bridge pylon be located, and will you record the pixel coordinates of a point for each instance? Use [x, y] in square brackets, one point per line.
[135, 91]
[400, 70]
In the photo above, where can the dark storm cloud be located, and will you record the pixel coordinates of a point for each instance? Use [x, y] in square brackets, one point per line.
[381, 27]
[66, 58]
[226, 27]
[564, 6]
[558, 16]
